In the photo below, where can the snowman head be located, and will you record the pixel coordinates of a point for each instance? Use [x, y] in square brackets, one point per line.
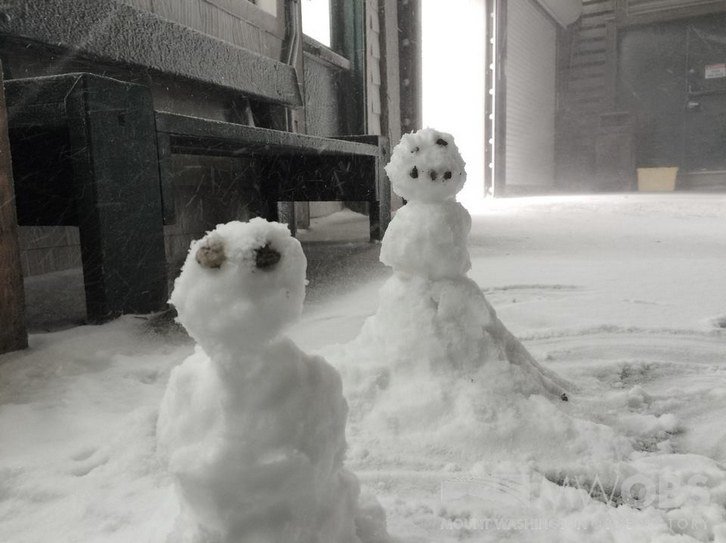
[426, 167]
[241, 285]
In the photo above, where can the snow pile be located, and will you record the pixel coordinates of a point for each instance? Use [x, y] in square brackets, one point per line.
[253, 428]
[77, 453]
[669, 501]
[434, 363]
[572, 275]
[436, 382]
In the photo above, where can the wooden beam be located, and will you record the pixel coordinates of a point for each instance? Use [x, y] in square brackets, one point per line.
[113, 32]
[13, 334]
[499, 127]
[192, 135]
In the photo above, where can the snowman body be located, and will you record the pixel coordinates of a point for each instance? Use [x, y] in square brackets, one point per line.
[252, 428]
[428, 239]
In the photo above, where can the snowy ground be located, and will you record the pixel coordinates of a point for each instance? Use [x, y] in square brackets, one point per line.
[623, 295]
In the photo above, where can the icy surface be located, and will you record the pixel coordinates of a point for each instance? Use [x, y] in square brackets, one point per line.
[623, 295]
[252, 428]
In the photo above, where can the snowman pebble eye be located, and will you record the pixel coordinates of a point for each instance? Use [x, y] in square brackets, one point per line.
[447, 175]
[433, 175]
[211, 255]
[414, 172]
[442, 142]
[266, 257]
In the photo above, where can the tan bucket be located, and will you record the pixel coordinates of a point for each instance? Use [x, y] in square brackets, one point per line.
[657, 179]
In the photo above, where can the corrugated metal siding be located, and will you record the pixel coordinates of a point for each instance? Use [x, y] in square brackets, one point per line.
[530, 72]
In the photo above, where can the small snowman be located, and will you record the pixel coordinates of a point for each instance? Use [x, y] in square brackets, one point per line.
[426, 245]
[428, 236]
[435, 363]
[252, 428]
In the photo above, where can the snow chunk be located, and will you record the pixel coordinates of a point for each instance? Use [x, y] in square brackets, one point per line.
[428, 240]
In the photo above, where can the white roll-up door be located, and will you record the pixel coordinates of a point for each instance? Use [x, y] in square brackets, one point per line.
[530, 69]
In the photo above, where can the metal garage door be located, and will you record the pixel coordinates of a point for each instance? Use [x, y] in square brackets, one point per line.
[530, 97]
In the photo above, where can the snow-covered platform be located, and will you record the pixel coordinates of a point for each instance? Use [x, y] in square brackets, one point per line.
[623, 295]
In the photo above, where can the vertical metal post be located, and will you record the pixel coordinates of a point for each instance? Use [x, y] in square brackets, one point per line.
[496, 100]
[380, 210]
[13, 334]
[611, 65]
[490, 56]
[409, 51]
[348, 39]
[390, 90]
[296, 214]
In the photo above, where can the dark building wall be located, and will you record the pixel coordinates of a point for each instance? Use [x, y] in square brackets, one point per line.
[595, 86]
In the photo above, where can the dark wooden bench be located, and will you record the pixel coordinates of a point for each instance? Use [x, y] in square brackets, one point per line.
[90, 151]
[292, 167]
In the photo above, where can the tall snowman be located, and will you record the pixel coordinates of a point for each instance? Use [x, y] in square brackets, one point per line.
[252, 428]
[434, 364]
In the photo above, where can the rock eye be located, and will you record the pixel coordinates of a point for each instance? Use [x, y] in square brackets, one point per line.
[433, 175]
[447, 175]
[415, 150]
[414, 172]
[266, 257]
[211, 255]
[442, 142]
